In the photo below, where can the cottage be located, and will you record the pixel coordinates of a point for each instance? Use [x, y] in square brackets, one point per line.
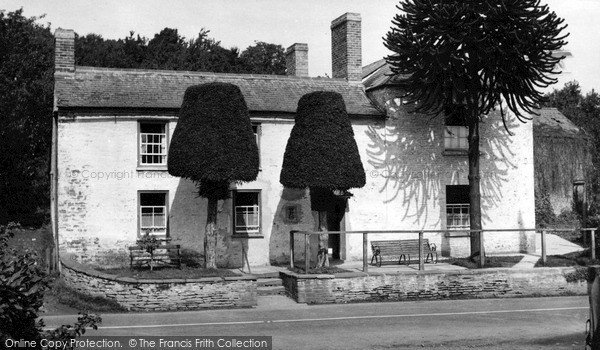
[111, 136]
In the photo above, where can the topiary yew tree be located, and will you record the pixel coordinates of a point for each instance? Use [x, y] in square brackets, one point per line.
[321, 154]
[213, 145]
[466, 58]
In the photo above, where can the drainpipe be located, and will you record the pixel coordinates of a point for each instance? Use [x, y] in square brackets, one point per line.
[54, 188]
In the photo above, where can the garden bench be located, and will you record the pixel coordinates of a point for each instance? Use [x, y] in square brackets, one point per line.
[397, 250]
[165, 255]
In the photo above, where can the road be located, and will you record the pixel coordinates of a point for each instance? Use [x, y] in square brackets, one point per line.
[528, 323]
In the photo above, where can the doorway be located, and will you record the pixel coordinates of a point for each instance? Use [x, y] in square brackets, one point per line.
[336, 222]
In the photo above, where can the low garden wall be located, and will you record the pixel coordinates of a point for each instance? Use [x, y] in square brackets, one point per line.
[163, 294]
[484, 283]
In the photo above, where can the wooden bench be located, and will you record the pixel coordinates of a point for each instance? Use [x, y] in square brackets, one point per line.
[398, 250]
[164, 255]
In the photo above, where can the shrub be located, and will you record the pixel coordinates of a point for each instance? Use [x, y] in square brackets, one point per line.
[321, 151]
[22, 287]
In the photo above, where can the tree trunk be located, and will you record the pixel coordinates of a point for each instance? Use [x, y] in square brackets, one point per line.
[474, 191]
[210, 235]
[323, 256]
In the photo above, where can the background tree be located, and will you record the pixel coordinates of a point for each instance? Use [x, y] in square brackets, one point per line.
[263, 58]
[213, 145]
[26, 82]
[167, 50]
[466, 58]
[321, 154]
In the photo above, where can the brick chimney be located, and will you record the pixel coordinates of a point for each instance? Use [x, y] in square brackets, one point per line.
[346, 60]
[64, 52]
[296, 60]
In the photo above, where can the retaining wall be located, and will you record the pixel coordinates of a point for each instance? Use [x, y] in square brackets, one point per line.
[164, 294]
[487, 283]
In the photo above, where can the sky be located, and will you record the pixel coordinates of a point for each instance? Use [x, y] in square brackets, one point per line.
[239, 23]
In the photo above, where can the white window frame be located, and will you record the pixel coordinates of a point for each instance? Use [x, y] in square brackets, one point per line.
[162, 142]
[458, 216]
[155, 230]
[250, 212]
[456, 138]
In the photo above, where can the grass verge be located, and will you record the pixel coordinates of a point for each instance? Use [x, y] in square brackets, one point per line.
[580, 258]
[490, 261]
[60, 293]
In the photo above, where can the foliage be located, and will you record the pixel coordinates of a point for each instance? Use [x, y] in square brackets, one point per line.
[321, 151]
[26, 82]
[263, 58]
[22, 287]
[583, 111]
[65, 333]
[544, 214]
[475, 54]
[169, 50]
[213, 143]
[148, 242]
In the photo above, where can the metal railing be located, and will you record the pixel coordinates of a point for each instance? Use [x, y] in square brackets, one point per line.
[449, 233]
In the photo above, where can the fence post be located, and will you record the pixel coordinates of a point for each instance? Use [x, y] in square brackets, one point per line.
[365, 255]
[421, 263]
[481, 251]
[544, 247]
[593, 243]
[292, 249]
[306, 253]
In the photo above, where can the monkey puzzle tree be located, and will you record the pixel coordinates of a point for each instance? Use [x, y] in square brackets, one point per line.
[465, 58]
[321, 154]
[213, 145]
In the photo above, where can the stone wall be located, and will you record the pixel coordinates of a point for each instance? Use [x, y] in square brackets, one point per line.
[161, 295]
[488, 283]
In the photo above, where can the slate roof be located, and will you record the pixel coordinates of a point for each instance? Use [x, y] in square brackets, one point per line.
[378, 74]
[552, 123]
[91, 87]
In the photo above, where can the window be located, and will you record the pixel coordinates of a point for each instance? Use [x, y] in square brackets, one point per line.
[455, 132]
[246, 208]
[455, 137]
[153, 143]
[153, 213]
[457, 207]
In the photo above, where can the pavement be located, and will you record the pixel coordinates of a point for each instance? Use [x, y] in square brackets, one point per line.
[555, 245]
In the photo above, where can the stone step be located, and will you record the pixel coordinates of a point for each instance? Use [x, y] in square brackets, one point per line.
[270, 290]
[266, 282]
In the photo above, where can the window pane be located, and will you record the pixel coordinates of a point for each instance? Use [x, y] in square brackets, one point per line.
[246, 198]
[152, 128]
[152, 199]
